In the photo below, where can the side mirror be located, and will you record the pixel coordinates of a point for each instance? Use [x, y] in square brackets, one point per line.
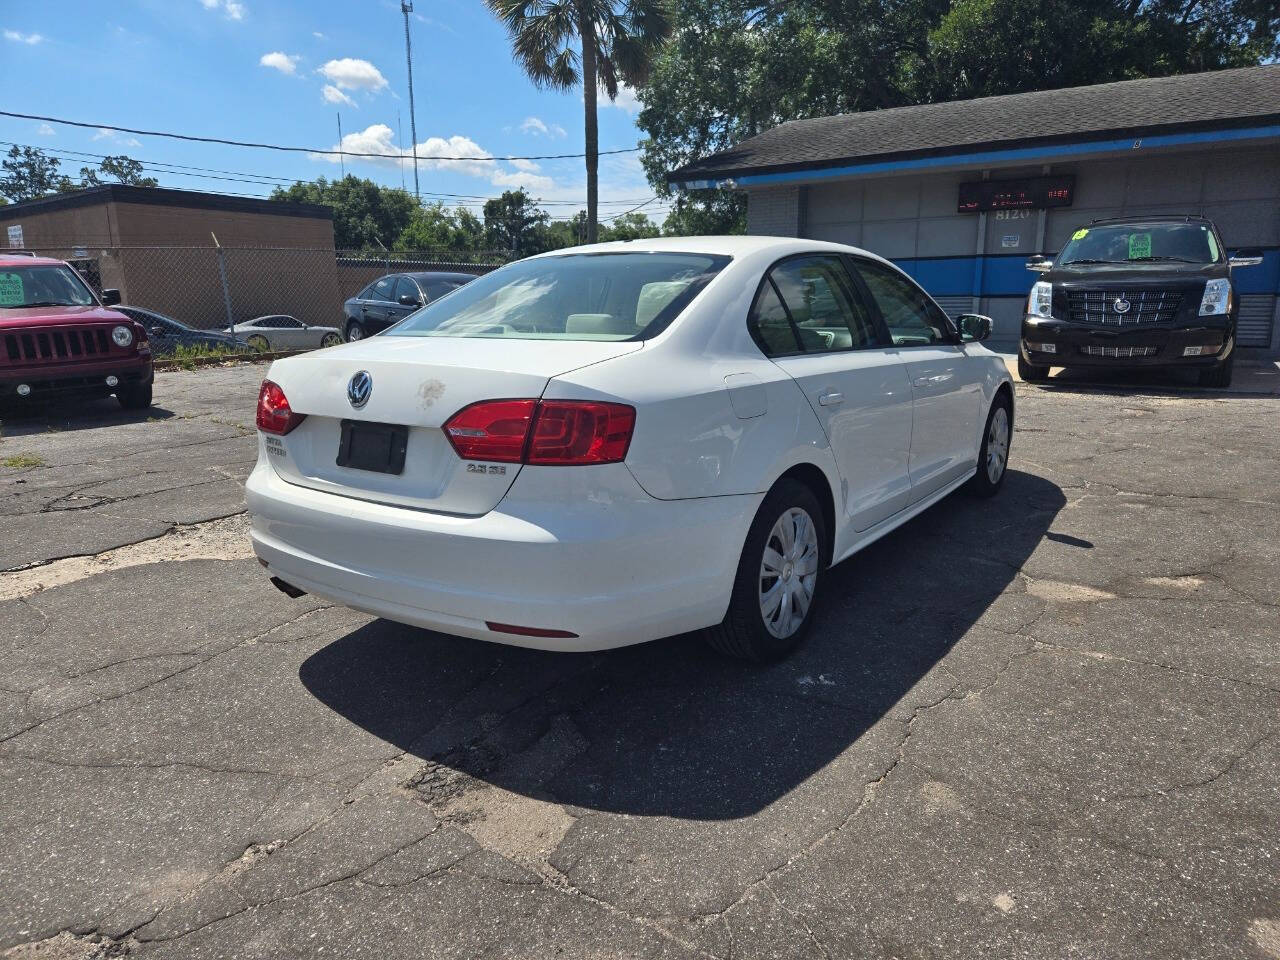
[974, 327]
[409, 300]
[110, 297]
[1039, 264]
[156, 331]
[1246, 258]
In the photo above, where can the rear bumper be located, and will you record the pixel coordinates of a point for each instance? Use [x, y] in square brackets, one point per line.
[1079, 345]
[579, 550]
[76, 378]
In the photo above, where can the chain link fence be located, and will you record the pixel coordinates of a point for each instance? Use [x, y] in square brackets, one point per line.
[210, 288]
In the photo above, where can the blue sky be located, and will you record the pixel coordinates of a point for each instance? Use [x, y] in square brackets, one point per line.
[279, 72]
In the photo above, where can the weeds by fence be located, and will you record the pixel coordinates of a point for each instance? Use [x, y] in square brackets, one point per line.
[209, 288]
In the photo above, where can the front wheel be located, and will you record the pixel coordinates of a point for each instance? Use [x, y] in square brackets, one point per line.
[993, 457]
[134, 398]
[1219, 377]
[258, 343]
[330, 340]
[1031, 373]
[779, 575]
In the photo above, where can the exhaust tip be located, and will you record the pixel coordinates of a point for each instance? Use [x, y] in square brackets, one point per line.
[288, 589]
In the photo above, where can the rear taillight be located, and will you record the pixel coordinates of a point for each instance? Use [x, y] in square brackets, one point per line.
[544, 432]
[274, 413]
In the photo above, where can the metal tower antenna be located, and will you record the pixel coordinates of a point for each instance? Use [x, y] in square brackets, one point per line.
[406, 7]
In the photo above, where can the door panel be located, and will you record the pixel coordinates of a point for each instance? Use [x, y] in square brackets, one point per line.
[856, 384]
[863, 400]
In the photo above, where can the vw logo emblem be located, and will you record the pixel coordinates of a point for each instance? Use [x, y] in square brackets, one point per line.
[359, 388]
[1121, 305]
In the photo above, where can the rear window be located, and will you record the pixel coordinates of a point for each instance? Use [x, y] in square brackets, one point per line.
[596, 296]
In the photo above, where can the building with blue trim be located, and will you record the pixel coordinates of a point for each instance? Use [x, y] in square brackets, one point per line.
[960, 194]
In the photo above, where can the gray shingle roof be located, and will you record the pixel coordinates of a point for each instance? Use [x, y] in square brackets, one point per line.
[1132, 107]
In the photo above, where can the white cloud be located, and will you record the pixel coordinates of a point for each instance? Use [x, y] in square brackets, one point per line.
[540, 128]
[317, 34]
[332, 94]
[352, 74]
[30, 39]
[379, 139]
[102, 133]
[626, 101]
[284, 62]
[526, 165]
[45, 130]
[231, 9]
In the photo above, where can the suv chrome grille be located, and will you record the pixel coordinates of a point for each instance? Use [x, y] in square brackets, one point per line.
[1096, 350]
[1137, 306]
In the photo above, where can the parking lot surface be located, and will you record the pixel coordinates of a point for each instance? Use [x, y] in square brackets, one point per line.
[1039, 726]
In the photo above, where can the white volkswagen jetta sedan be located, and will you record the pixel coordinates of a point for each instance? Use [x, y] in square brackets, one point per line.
[615, 443]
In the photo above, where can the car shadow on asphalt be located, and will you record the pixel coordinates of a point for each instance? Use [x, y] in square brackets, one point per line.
[1142, 381]
[668, 728]
[20, 420]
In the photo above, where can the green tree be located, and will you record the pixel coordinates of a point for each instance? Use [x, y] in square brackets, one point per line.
[736, 68]
[30, 173]
[364, 213]
[629, 226]
[592, 44]
[122, 169]
[514, 222]
[436, 227]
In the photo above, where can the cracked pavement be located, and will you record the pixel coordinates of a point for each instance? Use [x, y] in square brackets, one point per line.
[1040, 726]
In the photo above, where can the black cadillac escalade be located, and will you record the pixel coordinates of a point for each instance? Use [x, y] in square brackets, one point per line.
[1154, 291]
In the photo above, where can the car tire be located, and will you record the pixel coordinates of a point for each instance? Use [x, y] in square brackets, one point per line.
[749, 631]
[356, 331]
[134, 398]
[330, 340]
[258, 343]
[1219, 376]
[1030, 372]
[993, 455]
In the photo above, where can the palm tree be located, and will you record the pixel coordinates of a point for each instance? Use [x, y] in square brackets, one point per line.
[563, 44]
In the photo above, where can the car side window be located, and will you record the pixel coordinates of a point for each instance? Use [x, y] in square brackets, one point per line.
[770, 325]
[288, 323]
[382, 289]
[406, 288]
[913, 319]
[824, 310]
[438, 288]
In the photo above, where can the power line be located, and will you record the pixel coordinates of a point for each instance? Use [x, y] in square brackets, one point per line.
[275, 146]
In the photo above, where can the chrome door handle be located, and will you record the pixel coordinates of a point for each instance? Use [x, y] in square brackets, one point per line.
[830, 399]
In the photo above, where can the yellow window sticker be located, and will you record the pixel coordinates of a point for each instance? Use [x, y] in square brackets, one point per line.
[1213, 244]
[11, 292]
[1080, 234]
[1139, 246]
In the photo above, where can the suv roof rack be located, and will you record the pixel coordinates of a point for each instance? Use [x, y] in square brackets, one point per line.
[1147, 218]
[17, 252]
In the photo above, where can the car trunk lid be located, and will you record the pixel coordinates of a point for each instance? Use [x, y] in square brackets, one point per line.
[417, 383]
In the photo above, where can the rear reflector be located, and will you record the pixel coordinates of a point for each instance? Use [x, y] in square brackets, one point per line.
[528, 631]
[545, 432]
[274, 414]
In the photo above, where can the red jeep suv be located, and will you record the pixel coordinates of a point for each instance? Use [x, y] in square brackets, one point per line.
[57, 337]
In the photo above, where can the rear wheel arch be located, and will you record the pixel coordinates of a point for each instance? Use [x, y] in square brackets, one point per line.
[813, 477]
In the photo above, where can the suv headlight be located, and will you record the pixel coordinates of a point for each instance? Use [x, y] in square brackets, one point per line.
[1041, 300]
[1217, 298]
[122, 336]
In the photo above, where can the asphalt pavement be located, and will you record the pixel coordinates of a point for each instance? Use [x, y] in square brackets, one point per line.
[1040, 726]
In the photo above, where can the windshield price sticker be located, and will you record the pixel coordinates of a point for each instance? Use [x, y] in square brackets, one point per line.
[1080, 234]
[11, 293]
[1139, 246]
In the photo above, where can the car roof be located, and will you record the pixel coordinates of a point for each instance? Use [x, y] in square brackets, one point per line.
[1154, 218]
[437, 275]
[730, 245]
[23, 260]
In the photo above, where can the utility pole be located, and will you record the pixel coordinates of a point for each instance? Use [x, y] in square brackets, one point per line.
[342, 157]
[406, 7]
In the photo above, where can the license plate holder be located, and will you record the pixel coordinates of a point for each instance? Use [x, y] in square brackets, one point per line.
[376, 447]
